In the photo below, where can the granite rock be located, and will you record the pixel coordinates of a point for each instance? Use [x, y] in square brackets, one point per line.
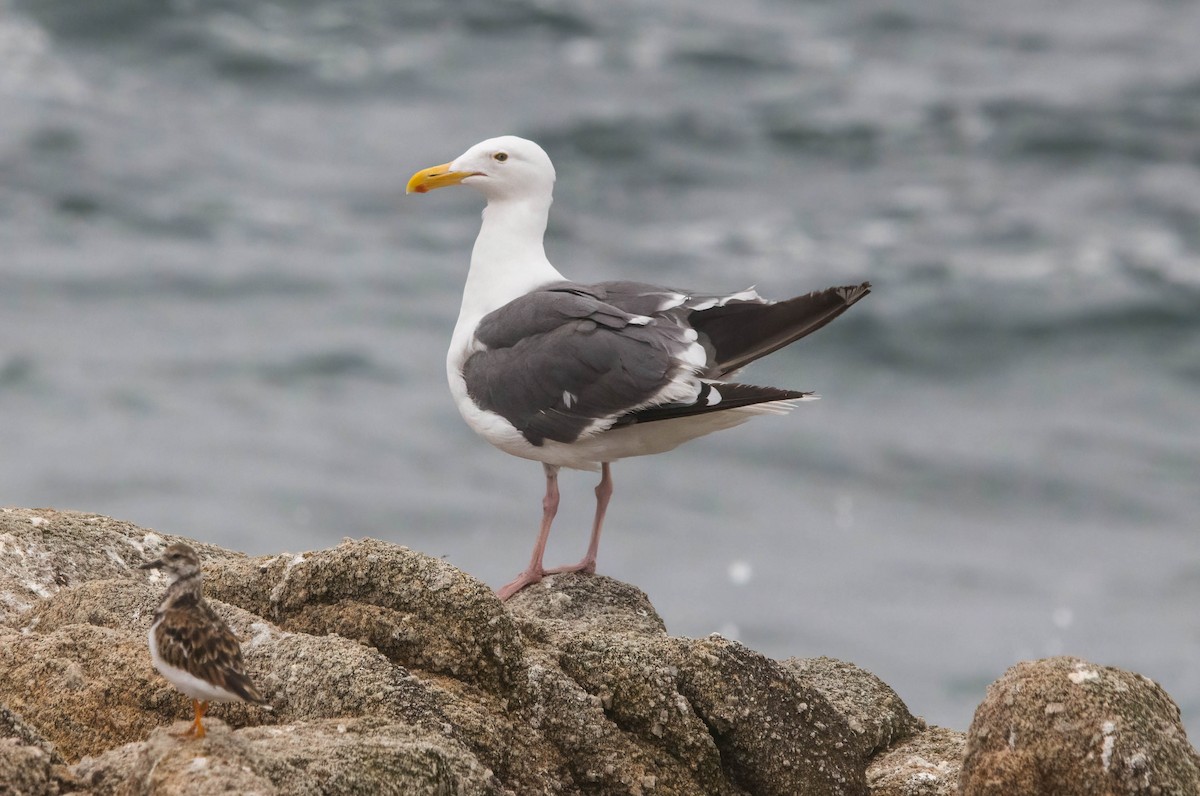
[1065, 726]
[925, 764]
[874, 712]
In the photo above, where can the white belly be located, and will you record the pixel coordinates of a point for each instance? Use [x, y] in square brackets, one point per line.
[600, 444]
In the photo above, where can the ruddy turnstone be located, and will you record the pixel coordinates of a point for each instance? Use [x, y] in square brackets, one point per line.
[190, 645]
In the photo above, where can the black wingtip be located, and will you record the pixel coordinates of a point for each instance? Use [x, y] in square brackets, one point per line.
[851, 293]
[728, 395]
[241, 685]
[741, 332]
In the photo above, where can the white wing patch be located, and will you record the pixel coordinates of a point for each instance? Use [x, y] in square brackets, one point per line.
[749, 294]
[474, 346]
[569, 398]
[672, 301]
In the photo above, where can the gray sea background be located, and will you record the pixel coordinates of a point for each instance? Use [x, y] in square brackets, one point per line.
[221, 317]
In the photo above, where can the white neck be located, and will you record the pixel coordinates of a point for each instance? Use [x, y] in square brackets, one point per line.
[507, 262]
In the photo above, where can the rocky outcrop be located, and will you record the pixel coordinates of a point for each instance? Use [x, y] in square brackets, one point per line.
[1069, 727]
[388, 671]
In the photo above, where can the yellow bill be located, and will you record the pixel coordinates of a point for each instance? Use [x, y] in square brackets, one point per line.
[426, 180]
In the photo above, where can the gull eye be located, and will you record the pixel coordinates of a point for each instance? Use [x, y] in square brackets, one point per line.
[500, 157]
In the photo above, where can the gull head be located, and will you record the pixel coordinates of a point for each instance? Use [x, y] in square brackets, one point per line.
[507, 167]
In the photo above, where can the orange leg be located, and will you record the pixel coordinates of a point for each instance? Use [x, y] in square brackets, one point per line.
[200, 708]
[197, 729]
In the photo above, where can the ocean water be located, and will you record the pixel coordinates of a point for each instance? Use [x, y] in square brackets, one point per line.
[220, 316]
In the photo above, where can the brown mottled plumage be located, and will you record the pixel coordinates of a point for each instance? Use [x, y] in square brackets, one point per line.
[193, 647]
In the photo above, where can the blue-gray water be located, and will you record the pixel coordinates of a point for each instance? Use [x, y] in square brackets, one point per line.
[221, 317]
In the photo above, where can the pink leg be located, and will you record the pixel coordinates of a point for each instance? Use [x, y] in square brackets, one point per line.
[604, 491]
[534, 572]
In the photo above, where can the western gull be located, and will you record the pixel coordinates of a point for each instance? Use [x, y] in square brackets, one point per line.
[580, 375]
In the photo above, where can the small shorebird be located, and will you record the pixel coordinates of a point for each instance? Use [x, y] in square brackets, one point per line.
[193, 647]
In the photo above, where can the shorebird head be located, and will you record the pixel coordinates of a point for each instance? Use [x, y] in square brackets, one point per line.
[499, 168]
[180, 560]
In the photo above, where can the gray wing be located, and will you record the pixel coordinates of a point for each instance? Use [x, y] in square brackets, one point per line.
[568, 357]
[562, 360]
